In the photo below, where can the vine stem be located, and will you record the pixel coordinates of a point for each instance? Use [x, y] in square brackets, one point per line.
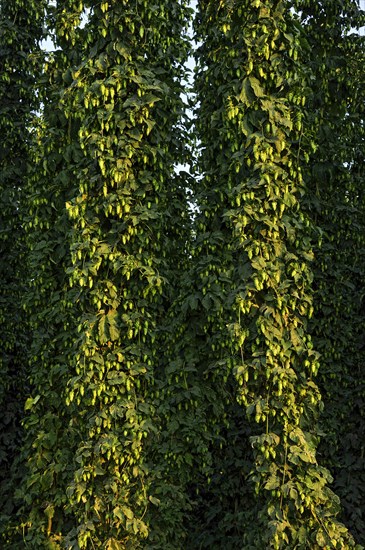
[284, 470]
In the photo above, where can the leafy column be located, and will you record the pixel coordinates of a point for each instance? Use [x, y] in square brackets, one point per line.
[252, 85]
[129, 228]
[52, 309]
[20, 32]
[336, 202]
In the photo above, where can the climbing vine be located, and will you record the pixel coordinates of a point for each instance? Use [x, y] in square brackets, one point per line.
[336, 203]
[253, 86]
[20, 61]
[182, 348]
[106, 264]
[124, 253]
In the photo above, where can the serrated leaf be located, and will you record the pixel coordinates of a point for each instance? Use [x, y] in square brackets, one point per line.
[30, 402]
[321, 539]
[49, 511]
[112, 325]
[98, 358]
[122, 50]
[127, 512]
[113, 544]
[296, 341]
[272, 483]
[149, 98]
[246, 96]
[102, 327]
[256, 86]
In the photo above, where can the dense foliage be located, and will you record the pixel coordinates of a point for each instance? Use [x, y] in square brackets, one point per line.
[20, 63]
[254, 84]
[336, 202]
[182, 353]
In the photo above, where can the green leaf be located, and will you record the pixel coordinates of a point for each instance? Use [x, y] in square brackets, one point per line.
[256, 86]
[272, 483]
[112, 325]
[49, 511]
[102, 328]
[113, 544]
[30, 402]
[127, 512]
[246, 97]
[295, 339]
[321, 539]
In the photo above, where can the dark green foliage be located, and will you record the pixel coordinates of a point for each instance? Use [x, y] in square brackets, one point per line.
[173, 380]
[102, 264]
[125, 253]
[20, 58]
[253, 84]
[336, 203]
